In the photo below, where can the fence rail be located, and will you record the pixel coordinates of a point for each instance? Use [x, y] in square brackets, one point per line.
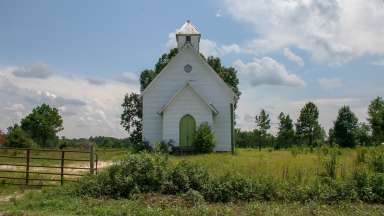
[30, 168]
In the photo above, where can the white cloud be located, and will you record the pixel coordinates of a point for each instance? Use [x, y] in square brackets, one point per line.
[267, 71]
[207, 47]
[293, 57]
[87, 109]
[36, 70]
[333, 31]
[96, 81]
[219, 13]
[378, 62]
[330, 83]
[129, 78]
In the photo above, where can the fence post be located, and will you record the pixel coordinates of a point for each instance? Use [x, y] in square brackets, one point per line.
[62, 168]
[27, 167]
[92, 159]
[96, 162]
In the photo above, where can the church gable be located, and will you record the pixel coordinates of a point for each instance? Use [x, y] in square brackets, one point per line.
[201, 75]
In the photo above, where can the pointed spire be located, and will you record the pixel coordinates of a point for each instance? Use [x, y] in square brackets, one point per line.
[188, 29]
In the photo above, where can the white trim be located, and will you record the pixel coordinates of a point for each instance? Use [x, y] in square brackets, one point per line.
[188, 84]
[233, 95]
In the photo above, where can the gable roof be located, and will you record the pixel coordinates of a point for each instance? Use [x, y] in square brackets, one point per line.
[218, 78]
[188, 29]
[186, 85]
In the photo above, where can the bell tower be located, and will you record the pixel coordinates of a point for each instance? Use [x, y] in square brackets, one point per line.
[188, 35]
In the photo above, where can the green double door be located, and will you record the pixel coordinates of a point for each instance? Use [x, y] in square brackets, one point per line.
[187, 129]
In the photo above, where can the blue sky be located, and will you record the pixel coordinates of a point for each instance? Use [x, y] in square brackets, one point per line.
[83, 56]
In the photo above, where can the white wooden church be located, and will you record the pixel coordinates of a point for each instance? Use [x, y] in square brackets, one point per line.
[186, 93]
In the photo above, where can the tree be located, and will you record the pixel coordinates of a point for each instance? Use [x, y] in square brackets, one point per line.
[18, 138]
[307, 126]
[228, 74]
[2, 138]
[363, 136]
[263, 124]
[43, 124]
[345, 128]
[203, 140]
[286, 134]
[131, 118]
[376, 119]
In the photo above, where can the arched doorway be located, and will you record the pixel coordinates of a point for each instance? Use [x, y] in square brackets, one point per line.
[187, 129]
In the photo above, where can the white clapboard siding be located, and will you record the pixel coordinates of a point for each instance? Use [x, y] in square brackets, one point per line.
[168, 82]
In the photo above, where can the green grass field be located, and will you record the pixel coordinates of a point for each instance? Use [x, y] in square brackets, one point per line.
[277, 164]
[282, 164]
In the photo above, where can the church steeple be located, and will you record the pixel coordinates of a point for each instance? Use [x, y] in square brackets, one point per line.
[188, 34]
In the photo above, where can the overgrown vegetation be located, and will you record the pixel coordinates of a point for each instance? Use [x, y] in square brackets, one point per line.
[144, 173]
[204, 140]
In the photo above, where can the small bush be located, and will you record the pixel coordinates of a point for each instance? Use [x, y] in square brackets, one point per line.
[330, 166]
[186, 176]
[141, 146]
[164, 147]
[194, 197]
[204, 139]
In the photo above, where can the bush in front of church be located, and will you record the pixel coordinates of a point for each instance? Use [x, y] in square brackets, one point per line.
[204, 140]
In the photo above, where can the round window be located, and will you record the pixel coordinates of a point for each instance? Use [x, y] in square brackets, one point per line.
[188, 68]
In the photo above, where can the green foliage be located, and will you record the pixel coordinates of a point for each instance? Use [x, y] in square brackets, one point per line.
[263, 122]
[109, 142]
[131, 118]
[307, 126]
[204, 140]
[184, 177]
[2, 138]
[18, 138]
[362, 134]
[286, 133]
[330, 166]
[376, 119]
[164, 147]
[43, 124]
[228, 74]
[263, 125]
[345, 128]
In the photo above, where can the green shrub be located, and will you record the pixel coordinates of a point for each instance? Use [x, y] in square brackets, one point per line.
[229, 188]
[204, 139]
[330, 166]
[164, 147]
[186, 176]
[194, 197]
[141, 146]
[377, 161]
[18, 138]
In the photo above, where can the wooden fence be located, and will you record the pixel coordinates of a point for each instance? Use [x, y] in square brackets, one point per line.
[20, 166]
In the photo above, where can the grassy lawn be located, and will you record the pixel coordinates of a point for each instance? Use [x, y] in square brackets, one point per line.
[282, 164]
[277, 164]
[154, 204]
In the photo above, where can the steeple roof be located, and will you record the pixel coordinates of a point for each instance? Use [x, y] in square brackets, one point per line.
[188, 29]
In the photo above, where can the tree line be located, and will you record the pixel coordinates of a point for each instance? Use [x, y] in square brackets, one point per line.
[347, 131]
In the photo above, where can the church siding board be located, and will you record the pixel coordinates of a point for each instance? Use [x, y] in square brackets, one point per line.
[205, 82]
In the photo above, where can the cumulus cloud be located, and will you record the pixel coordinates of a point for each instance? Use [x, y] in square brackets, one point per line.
[330, 83]
[96, 81]
[378, 62]
[267, 71]
[207, 47]
[87, 109]
[129, 78]
[293, 57]
[36, 70]
[333, 31]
